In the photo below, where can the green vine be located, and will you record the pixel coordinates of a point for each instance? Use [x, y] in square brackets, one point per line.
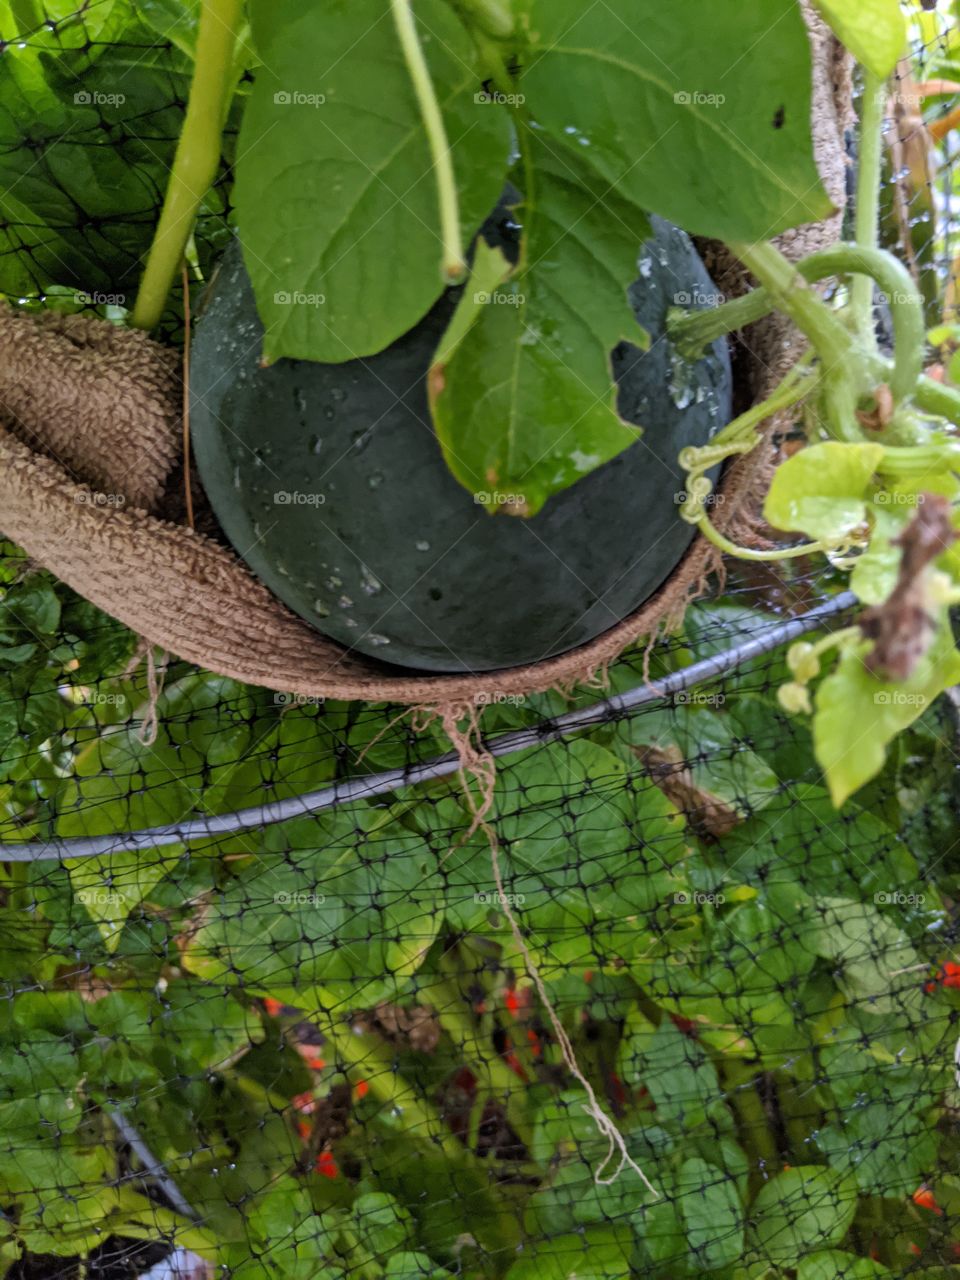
[454, 265]
[197, 156]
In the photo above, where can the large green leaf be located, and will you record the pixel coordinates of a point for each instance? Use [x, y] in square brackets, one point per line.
[870, 953]
[675, 1070]
[345, 254]
[875, 31]
[858, 715]
[112, 885]
[822, 490]
[800, 1211]
[523, 395]
[85, 149]
[689, 112]
[349, 914]
[586, 859]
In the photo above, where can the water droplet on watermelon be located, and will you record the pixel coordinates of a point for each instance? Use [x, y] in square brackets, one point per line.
[300, 400]
[681, 383]
[370, 584]
[422, 544]
[377, 640]
[345, 602]
[333, 582]
[339, 394]
[316, 444]
[376, 480]
[329, 412]
[321, 609]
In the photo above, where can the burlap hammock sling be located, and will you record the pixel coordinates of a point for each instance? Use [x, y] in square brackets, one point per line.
[91, 488]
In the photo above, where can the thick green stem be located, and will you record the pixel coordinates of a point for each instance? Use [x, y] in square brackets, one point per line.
[845, 379]
[454, 265]
[789, 289]
[906, 304]
[197, 156]
[692, 331]
[867, 223]
[919, 460]
[936, 397]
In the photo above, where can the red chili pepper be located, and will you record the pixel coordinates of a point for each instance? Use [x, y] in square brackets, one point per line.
[304, 1102]
[923, 1197]
[361, 1089]
[326, 1165]
[588, 975]
[512, 1001]
[535, 1047]
[304, 1129]
[915, 1249]
[273, 1007]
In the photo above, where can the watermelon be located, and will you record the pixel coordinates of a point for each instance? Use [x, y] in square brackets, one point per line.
[328, 480]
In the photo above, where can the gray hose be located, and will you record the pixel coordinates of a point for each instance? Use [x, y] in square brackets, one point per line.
[378, 784]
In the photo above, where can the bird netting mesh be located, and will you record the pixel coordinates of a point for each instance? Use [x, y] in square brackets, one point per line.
[273, 1004]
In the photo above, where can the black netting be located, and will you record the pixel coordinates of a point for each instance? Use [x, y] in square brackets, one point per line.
[262, 1004]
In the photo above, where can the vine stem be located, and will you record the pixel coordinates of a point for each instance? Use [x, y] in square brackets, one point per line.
[692, 331]
[454, 265]
[196, 159]
[867, 213]
[845, 377]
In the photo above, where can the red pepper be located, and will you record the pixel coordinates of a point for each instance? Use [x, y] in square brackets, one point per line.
[304, 1102]
[361, 1089]
[326, 1165]
[273, 1007]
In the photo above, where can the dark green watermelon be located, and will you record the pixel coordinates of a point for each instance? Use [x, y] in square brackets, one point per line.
[329, 482]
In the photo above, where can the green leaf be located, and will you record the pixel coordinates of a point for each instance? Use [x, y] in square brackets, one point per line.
[710, 1208]
[875, 31]
[112, 885]
[350, 915]
[657, 100]
[869, 951]
[799, 1211]
[857, 715]
[522, 389]
[562, 864]
[85, 150]
[822, 490]
[602, 1253]
[834, 1264]
[675, 1070]
[334, 133]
